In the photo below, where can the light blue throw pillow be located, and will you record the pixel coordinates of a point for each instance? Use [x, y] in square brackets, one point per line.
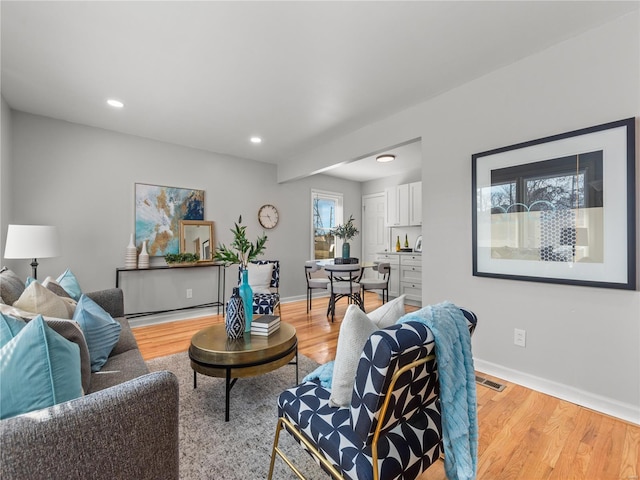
[9, 328]
[100, 330]
[38, 368]
[69, 282]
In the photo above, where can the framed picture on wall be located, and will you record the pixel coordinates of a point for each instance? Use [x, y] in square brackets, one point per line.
[159, 210]
[559, 209]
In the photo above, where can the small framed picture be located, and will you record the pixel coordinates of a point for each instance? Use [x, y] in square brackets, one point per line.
[418, 247]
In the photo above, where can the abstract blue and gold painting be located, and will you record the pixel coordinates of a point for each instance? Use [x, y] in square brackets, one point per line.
[159, 210]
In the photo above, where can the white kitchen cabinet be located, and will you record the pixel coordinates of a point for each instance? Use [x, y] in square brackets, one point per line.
[404, 204]
[393, 216]
[411, 277]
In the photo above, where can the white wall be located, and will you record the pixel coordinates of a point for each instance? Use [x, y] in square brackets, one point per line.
[583, 343]
[82, 179]
[5, 171]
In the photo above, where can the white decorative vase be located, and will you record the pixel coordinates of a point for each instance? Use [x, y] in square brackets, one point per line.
[143, 259]
[131, 256]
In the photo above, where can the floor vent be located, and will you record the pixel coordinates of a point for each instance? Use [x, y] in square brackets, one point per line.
[498, 387]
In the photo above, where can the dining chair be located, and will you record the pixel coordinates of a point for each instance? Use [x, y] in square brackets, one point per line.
[343, 283]
[313, 282]
[380, 282]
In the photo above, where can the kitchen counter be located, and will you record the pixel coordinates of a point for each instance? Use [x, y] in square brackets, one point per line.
[398, 253]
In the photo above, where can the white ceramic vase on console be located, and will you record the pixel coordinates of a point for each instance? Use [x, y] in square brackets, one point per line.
[131, 256]
[143, 259]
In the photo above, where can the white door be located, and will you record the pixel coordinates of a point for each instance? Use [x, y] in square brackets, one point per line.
[373, 230]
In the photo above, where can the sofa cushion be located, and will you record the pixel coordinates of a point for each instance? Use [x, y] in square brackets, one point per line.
[71, 330]
[354, 333]
[119, 369]
[100, 330]
[69, 282]
[38, 368]
[126, 341]
[38, 299]
[9, 328]
[51, 284]
[11, 287]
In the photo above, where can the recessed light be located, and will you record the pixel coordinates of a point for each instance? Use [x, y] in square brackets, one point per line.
[385, 158]
[115, 103]
[256, 140]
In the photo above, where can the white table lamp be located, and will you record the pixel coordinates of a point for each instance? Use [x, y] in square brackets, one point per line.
[32, 241]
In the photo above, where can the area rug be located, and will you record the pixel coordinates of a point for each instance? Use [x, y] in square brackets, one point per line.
[211, 448]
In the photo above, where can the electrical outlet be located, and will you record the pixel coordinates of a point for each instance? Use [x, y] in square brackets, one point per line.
[520, 337]
[189, 293]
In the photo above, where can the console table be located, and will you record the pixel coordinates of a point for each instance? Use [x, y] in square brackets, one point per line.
[221, 285]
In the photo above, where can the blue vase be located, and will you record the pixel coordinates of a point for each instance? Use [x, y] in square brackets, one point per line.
[247, 299]
[234, 322]
[346, 250]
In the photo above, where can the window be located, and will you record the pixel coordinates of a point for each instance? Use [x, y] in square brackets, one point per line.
[326, 213]
[550, 210]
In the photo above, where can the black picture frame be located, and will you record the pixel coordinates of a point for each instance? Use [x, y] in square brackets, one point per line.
[559, 209]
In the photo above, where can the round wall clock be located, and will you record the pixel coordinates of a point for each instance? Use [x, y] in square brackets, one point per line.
[268, 216]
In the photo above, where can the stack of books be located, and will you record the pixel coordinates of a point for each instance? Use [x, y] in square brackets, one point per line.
[265, 325]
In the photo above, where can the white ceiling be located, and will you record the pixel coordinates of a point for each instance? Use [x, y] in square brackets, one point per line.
[212, 74]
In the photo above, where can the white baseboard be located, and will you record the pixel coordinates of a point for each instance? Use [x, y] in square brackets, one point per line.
[608, 406]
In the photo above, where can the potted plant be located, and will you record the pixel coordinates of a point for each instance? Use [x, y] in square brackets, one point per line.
[346, 232]
[242, 251]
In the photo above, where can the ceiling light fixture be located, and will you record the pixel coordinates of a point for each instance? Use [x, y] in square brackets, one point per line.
[115, 103]
[256, 140]
[387, 157]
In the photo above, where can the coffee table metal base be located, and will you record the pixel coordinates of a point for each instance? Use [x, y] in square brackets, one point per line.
[211, 355]
[231, 381]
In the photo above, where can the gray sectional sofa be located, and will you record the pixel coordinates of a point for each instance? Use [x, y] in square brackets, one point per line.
[125, 426]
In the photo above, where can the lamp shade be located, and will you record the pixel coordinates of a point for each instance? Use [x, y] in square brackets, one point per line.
[32, 241]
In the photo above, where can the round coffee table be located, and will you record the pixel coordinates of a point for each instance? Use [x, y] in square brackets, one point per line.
[213, 354]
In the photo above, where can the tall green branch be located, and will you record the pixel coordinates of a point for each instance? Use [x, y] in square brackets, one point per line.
[241, 250]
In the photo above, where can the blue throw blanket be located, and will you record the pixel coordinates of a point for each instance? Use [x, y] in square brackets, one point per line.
[324, 373]
[457, 387]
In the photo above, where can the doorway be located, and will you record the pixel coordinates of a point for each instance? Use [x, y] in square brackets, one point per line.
[374, 239]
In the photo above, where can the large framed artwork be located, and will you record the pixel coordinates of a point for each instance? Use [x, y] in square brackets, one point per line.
[159, 210]
[559, 209]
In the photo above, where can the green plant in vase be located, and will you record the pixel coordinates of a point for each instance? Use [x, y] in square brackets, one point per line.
[346, 232]
[241, 251]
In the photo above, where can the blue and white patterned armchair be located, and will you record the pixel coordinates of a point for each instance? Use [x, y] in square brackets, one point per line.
[393, 427]
[266, 303]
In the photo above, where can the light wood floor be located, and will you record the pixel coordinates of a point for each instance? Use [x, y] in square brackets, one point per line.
[524, 434]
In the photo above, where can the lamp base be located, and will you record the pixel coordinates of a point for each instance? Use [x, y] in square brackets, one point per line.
[34, 268]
